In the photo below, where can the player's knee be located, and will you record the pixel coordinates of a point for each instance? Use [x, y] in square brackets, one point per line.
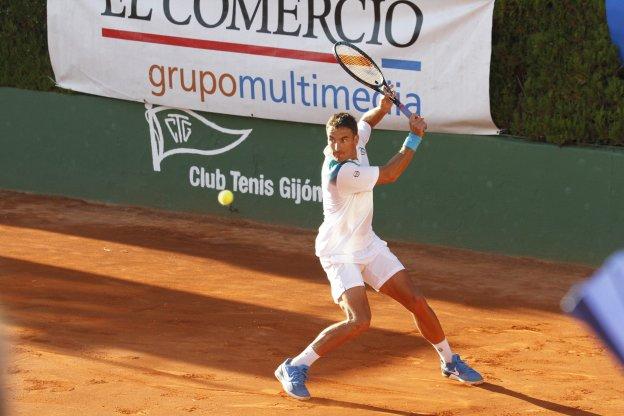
[359, 324]
[418, 304]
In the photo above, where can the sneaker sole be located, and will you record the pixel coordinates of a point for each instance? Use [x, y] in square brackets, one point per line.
[470, 383]
[280, 378]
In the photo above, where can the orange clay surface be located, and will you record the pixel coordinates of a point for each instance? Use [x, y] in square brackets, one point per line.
[128, 311]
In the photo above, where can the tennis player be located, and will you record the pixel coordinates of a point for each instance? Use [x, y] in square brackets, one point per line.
[352, 254]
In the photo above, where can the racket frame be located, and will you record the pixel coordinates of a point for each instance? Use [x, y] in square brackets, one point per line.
[383, 88]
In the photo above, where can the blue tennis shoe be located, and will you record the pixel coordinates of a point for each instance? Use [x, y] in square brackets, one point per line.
[460, 371]
[293, 379]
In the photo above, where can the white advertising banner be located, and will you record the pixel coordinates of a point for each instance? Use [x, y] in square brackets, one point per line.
[273, 58]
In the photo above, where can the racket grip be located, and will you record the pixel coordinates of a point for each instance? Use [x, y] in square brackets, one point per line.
[403, 109]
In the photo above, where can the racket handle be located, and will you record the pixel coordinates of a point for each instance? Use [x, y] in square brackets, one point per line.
[402, 107]
[404, 110]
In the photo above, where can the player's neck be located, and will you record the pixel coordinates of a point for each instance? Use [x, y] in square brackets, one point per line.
[346, 159]
[352, 156]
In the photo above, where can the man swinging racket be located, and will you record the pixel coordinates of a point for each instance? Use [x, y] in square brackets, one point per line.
[352, 254]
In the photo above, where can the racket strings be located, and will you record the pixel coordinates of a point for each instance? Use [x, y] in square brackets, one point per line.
[360, 66]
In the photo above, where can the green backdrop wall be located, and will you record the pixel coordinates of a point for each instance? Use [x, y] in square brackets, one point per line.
[484, 193]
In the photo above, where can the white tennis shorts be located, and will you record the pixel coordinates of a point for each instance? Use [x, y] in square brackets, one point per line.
[374, 271]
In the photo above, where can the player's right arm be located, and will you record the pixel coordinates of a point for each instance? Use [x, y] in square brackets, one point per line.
[395, 167]
[375, 115]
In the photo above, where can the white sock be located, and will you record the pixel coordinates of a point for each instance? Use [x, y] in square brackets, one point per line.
[444, 350]
[307, 357]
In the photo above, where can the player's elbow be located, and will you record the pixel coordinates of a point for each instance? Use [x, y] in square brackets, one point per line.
[393, 178]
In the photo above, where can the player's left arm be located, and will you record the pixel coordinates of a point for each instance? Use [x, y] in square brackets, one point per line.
[375, 115]
[395, 167]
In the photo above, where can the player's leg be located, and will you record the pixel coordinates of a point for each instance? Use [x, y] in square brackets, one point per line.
[350, 294]
[355, 305]
[386, 274]
[402, 289]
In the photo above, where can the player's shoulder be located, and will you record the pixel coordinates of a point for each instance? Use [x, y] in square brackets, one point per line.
[364, 126]
[334, 167]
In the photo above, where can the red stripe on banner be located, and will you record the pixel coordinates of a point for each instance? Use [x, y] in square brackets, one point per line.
[218, 46]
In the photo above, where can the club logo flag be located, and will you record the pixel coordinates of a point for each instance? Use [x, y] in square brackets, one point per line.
[269, 59]
[174, 132]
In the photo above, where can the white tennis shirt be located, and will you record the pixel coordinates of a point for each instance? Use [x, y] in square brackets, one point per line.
[346, 235]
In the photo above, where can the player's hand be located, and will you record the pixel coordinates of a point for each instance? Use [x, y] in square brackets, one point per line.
[386, 102]
[418, 125]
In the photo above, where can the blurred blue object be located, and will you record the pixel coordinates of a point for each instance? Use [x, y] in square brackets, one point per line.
[599, 301]
[615, 20]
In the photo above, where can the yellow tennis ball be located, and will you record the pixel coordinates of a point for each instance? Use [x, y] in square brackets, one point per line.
[226, 197]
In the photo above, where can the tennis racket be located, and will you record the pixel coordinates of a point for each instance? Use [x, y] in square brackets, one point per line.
[361, 67]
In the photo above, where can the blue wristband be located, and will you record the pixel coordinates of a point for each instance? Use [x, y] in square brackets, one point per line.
[412, 141]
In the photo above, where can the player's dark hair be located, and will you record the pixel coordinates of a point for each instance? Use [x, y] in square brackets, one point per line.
[342, 120]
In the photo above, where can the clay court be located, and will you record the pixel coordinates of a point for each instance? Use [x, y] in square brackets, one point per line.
[130, 311]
